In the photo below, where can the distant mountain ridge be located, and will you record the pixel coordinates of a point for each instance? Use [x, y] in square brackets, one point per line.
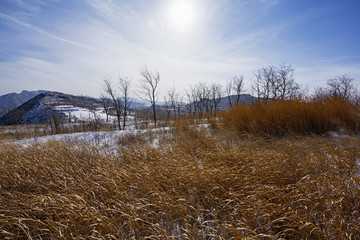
[40, 108]
[243, 99]
[225, 101]
[12, 100]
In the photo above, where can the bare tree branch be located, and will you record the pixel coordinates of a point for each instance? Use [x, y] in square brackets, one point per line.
[116, 101]
[149, 84]
[275, 82]
[125, 85]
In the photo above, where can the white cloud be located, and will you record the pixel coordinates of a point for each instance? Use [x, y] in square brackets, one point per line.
[317, 74]
[44, 32]
[116, 37]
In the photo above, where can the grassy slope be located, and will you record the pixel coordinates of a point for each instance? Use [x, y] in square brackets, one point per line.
[194, 185]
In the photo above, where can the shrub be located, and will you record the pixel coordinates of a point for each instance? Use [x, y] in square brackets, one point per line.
[130, 139]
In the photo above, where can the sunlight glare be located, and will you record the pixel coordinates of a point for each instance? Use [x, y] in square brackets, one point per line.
[181, 14]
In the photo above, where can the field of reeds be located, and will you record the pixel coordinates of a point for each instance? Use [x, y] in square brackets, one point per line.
[194, 184]
[281, 118]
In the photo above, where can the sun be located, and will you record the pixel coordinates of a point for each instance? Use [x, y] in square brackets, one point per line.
[181, 14]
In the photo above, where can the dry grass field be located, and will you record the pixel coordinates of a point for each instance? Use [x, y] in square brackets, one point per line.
[281, 118]
[224, 183]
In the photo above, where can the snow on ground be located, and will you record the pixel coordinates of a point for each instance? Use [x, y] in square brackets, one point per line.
[105, 141]
[82, 114]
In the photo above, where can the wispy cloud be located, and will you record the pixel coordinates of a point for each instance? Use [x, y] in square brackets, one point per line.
[45, 33]
[93, 39]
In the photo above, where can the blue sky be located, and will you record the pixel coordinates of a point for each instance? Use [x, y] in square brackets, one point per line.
[71, 45]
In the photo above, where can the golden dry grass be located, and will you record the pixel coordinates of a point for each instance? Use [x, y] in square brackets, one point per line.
[193, 186]
[281, 118]
[26, 131]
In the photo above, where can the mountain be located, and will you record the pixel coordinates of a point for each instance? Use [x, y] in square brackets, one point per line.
[13, 100]
[244, 99]
[225, 103]
[47, 105]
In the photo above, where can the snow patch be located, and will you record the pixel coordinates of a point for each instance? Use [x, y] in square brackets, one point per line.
[105, 141]
[77, 114]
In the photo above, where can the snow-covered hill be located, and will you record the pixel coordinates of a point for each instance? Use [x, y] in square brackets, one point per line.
[49, 105]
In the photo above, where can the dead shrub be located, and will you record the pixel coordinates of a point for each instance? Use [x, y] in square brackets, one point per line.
[130, 139]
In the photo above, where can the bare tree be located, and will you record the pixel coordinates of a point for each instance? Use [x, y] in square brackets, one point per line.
[191, 99]
[321, 93]
[106, 104]
[180, 105]
[215, 97]
[95, 119]
[238, 86]
[265, 78]
[168, 107]
[171, 103]
[54, 118]
[149, 84]
[205, 98]
[203, 95]
[125, 85]
[229, 91]
[116, 101]
[342, 87]
[275, 82]
[235, 87]
[173, 97]
[286, 85]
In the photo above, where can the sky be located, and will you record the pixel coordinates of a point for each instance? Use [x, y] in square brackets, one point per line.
[71, 46]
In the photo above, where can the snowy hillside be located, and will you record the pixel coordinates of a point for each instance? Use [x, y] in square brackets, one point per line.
[49, 105]
[76, 114]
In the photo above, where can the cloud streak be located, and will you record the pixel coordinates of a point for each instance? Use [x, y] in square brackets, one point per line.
[45, 33]
[94, 39]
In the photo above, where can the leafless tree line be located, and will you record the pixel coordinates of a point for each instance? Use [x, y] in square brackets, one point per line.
[117, 100]
[275, 83]
[174, 104]
[204, 98]
[341, 87]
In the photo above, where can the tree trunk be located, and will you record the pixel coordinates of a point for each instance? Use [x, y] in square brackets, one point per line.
[154, 112]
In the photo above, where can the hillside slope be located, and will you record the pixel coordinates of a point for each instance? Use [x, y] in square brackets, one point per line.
[12, 100]
[47, 105]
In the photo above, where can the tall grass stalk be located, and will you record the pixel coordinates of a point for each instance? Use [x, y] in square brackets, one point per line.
[194, 186]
